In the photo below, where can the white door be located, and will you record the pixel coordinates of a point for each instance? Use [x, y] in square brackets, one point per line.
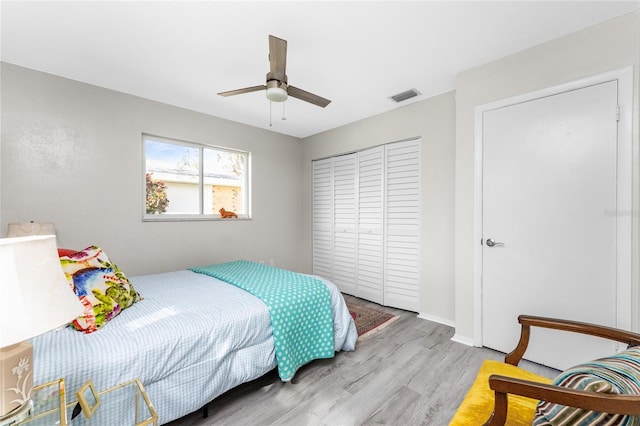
[549, 193]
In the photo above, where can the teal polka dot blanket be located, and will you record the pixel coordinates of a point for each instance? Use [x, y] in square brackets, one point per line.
[299, 306]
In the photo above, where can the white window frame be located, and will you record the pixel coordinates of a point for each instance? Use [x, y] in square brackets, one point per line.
[170, 217]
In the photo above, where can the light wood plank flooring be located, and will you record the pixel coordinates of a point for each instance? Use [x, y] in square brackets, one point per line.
[410, 373]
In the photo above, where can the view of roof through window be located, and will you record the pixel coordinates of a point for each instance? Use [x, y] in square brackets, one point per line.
[173, 170]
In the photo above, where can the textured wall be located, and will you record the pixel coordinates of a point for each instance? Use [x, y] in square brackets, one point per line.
[72, 155]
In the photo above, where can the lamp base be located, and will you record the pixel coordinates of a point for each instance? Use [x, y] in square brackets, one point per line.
[19, 415]
[16, 376]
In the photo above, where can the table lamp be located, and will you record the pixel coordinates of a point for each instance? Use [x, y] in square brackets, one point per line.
[35, 297]
[25, 229]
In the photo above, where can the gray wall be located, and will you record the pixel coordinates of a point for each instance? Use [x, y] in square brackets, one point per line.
[608, 46]
[434, 121]
[72, 155]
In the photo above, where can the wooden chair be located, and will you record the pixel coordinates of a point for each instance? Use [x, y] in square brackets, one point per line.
[481, 406]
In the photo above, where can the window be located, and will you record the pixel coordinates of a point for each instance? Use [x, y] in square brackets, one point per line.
[186, 181]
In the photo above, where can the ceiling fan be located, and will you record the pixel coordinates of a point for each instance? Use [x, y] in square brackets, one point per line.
[277, 86]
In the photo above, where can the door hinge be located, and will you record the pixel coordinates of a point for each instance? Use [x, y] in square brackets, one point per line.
[617, 112]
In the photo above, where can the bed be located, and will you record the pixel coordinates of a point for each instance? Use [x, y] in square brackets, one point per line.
[192, 338]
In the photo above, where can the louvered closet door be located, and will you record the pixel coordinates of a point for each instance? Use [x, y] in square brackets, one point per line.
[345, 210]
[323, 218]
[402, 245]
[370, 270]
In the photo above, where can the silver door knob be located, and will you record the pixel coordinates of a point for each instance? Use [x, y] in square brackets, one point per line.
[492, 243]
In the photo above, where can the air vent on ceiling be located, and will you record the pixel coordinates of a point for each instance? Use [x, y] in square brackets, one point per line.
[412, 93]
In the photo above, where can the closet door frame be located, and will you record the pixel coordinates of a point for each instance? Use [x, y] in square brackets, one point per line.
[400, 297]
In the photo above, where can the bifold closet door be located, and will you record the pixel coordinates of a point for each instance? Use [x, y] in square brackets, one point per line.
[370, 267]
[344, 232]
[323, 218]
[402, 221]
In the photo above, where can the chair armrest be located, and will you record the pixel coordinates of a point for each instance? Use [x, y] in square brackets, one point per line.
[602, 402]
[527, 321]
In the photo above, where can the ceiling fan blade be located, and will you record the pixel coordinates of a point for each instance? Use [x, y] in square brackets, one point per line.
[303, 95]
[277, 59]
[241, 91]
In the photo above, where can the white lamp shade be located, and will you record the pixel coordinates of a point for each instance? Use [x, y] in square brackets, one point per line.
[24, 229]
[35, 296]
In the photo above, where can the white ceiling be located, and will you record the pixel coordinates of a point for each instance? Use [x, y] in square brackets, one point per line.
[357, 54]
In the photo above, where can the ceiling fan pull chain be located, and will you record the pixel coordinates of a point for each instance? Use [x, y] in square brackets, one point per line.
[270, 112]
[284, 117]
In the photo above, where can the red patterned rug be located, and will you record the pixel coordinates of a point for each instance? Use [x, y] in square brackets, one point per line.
[369, 320]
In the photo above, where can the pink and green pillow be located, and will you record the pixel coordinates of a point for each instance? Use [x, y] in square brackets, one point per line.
[100, 285]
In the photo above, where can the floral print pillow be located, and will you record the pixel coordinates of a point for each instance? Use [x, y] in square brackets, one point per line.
[100, 285]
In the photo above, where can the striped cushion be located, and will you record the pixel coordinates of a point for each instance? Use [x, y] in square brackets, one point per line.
[617, 374]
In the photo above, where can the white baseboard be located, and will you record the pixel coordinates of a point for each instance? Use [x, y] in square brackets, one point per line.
[437, 319]
[462, 339]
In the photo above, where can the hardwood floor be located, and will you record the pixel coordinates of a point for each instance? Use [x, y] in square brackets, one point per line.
[411, 373]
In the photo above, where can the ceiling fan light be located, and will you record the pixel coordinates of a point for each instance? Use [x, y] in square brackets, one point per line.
[276, 94]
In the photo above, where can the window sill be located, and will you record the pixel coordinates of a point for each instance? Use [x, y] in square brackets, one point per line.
[176, 218]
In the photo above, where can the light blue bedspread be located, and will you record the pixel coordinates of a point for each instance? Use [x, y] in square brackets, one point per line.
[299, 306]
[191, 339]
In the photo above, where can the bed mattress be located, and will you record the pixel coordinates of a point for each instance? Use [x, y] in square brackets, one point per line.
[192, 338]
